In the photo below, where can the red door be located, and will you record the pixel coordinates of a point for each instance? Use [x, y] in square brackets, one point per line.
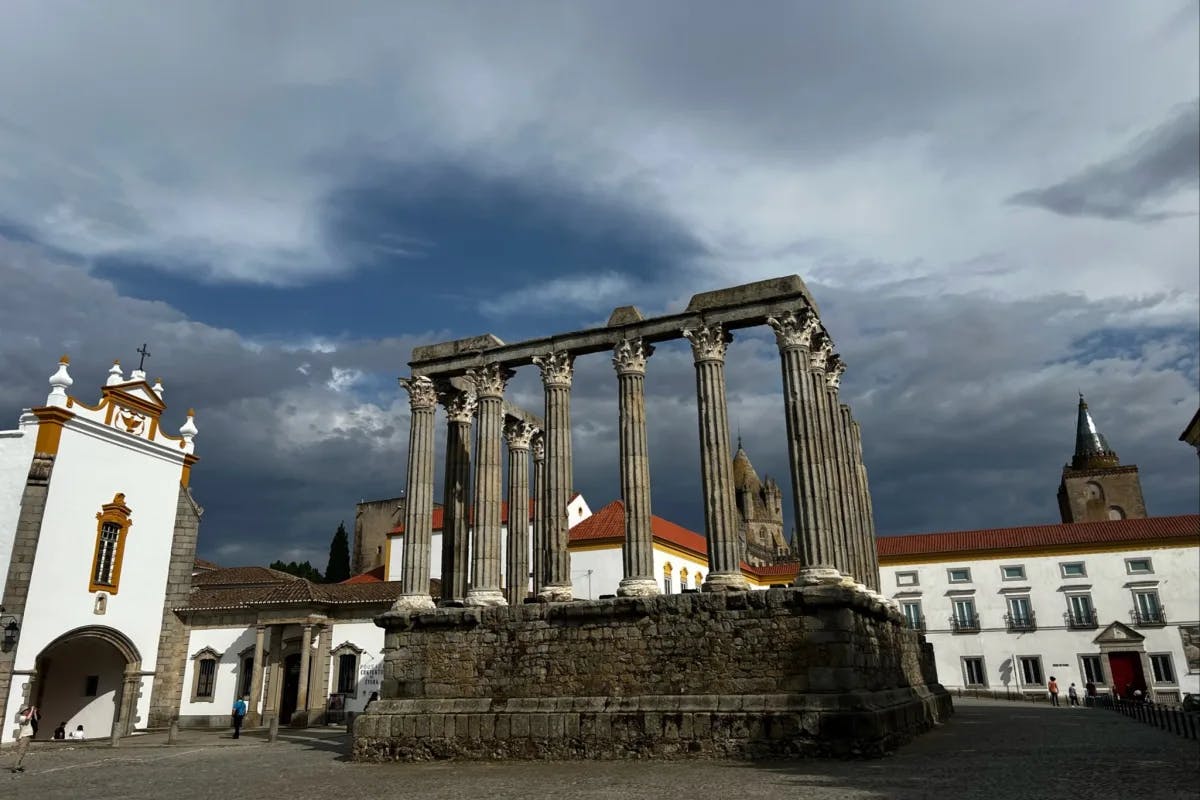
[1127, 673]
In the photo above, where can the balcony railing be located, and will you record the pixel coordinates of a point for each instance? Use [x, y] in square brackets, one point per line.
[917, 624]
[1021, 623]
[964, 624]
[1147, 617]
[1082, 621]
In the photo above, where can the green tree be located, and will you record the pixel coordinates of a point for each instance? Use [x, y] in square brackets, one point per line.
[338, 568]
[303, 570]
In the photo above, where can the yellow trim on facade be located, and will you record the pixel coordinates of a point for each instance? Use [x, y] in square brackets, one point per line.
[1035, 552]
[50, 427]
[188, 461]
[117, 513]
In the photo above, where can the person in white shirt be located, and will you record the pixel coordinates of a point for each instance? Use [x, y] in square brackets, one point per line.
[27, 718]
[77, 733]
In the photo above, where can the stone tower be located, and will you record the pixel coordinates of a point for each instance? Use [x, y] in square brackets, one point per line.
[1094, 485]
[760, 513]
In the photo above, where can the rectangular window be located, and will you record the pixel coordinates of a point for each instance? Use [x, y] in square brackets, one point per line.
[247, 676]
[208, 675]
[1013, 572]
[912, 614]
[1146, 609]
[906, 579]
[91, 686]
[667, 585]
[964, 616]
[1020, 613]
[1092, 671]
[1138, 566]
[1164, 670]
[110, 532]
[1031, 670]
[347, 673]
[959, 575]
[973, 672]
[1073, 569]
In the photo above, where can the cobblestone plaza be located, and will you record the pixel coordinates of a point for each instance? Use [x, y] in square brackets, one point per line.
[988, 749]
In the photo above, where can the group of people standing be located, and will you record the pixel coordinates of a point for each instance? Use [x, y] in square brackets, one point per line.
[1072, 693]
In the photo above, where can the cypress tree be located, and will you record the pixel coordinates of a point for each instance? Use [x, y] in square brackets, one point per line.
[338, 568]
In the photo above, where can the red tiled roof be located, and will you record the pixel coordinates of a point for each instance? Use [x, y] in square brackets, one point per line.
[370, 576]
[1062, 534]
[203, 564]
[241, 576]
[438, 523]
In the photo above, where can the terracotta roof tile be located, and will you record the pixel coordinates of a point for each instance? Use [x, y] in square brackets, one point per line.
[242, 576]
[300, 592]
[438, 523]
[370, 576]
[1062, 534]
[203, 564]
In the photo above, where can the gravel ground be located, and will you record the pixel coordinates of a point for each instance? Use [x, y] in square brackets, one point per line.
[990, 749]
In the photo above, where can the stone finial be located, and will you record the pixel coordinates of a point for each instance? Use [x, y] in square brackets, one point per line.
[188, 430]
[557, 366]
[137, 375]
[157, 388]
[421, 392]
[519, 434]
[114, 374]
[820, 350]
[630, 356]
[490, 379]
[60, 381]
[708, 341]
[460, 405]
[835, 367]
[794, 329]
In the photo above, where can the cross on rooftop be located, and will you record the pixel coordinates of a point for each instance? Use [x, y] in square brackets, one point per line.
[145, 354]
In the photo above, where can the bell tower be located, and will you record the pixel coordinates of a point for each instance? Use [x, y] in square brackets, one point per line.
[1094, 485]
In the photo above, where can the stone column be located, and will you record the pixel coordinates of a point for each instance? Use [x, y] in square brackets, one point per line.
[867, 510]
[254, 714]
[716, 461]
[629, 359]
[820, 353]
[272, 673]
[539, 521]
[853, 498]
[318, 689]
[489, 381]
[516, 566]
[460, 408]
[793, 333]
[557, 371]
[418, 498]
[302, 690]
[846, 547]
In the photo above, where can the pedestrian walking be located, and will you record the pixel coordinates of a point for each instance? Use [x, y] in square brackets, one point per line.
[27, 719]
[239, 713]
[1053, 687]
[1090, 688]
[1073, 695]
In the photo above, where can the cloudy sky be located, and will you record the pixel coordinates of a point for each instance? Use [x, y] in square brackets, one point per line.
[995, 205]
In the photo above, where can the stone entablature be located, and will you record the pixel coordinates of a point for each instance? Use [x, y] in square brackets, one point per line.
[820, 670]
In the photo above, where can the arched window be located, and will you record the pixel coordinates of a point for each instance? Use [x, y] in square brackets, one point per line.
[113, 524]
[346, 659]
[683, 578]
[1094, 491]
[1116, 512]
[204, 675]
[698, 578]
[668, 584]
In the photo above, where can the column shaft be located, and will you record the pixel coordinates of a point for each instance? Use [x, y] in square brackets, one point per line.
[853, 497]
[485, 540]
[557, 370]
[254, 701]
[305, 657]
[867, 511]
[538, 568]
[716, 461]
[629, 359]
[516, 564]
[847, 547]
[318, 687]
[460, 407]
[418, 497]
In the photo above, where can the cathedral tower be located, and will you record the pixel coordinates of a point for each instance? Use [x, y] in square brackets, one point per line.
[1094, 485]
[760, 513]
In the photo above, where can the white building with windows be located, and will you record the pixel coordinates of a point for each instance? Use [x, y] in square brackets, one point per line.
[1116, 603]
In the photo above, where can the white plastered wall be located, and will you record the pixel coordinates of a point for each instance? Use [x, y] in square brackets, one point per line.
[229, 644]
[16, 454]
[368, 637]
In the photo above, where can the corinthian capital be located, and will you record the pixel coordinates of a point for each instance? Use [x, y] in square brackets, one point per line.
[460, 405]
[629, 356]
[794, 329]
[557, 367]
[708, 341]
[421, 393]
[518, 434]
[539, 446]
[489, 380]
[820, 350]
[834, 368]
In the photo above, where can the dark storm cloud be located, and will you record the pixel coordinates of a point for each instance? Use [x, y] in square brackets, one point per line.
[1128, 186]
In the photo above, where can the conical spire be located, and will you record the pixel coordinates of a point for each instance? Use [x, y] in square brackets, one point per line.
[1091, 448]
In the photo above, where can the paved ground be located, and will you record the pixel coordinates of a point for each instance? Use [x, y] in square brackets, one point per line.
[991, 749]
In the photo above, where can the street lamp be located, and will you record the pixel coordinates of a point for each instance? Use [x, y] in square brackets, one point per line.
[11, 629]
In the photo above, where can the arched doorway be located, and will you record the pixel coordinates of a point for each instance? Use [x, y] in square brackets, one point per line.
[90, 677]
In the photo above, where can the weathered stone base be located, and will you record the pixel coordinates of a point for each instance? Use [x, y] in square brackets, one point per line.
[814, 671]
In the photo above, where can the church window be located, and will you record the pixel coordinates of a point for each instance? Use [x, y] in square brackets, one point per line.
[1073, 569]
[1116, 512]
[111, 531]
[204, 675]
[683, 578]
[1138, 566]
[668, 583]
[906, 579]
[696, 580]
[346, 660]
